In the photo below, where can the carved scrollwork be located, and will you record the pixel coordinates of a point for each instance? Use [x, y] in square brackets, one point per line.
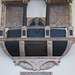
[37, 64]
[47, 65]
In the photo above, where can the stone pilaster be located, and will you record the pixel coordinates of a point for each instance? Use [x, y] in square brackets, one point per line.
[2, 32]
[22, 48]
[47, 28]
[25, 3]
[70, 31]
[24, 28]
[24, 32]
[49, 48]
[47, 32]
[25, 13]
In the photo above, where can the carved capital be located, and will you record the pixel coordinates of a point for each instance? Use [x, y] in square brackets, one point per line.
[48, 1]
[70, 28]
[25, 1]
[69, 1]
[3, 2]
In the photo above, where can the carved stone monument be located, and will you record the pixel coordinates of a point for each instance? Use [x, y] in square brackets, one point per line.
[36, 43]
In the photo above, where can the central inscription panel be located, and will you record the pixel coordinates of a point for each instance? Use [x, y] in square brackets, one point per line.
[36, 48]
[36, 73]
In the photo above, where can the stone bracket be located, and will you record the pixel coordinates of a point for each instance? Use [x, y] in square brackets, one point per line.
[36, 64]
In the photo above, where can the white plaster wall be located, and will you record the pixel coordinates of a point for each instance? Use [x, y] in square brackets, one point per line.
[34, 6]
[67, 65]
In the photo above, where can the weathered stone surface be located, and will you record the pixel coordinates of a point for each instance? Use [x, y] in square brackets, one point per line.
[59, 16]
[14, 16]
